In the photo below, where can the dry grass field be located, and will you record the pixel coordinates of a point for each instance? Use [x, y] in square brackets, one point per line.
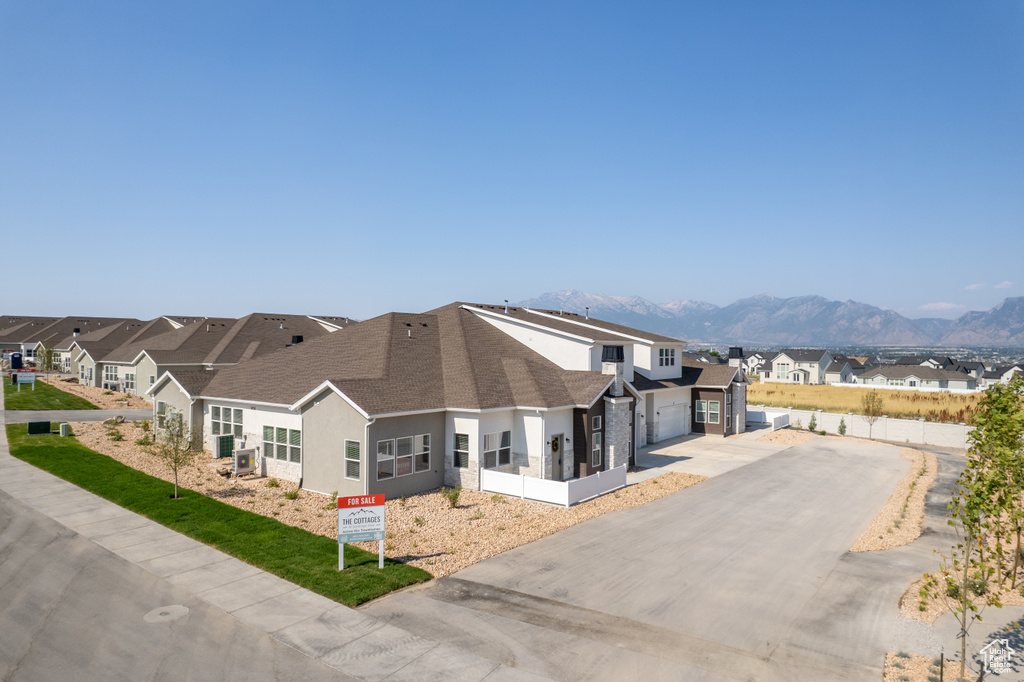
[934, 407]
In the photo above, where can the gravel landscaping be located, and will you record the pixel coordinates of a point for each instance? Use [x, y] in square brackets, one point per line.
[423, 530]
[899, 521]
[101, 398]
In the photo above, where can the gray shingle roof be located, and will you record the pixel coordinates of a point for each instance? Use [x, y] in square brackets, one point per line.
[402, 362]
[803, 354]
[919, 371]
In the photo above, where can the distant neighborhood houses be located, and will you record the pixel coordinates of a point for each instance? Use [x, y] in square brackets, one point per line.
[819, 366]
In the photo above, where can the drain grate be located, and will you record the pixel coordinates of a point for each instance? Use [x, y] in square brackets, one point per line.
[166, 614]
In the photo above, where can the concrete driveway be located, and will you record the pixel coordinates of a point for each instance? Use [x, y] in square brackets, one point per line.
[743, 577]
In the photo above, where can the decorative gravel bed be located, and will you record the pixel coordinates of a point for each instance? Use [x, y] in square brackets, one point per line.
[101, 398]
[422, 529]
[899, 521]
[903, 667]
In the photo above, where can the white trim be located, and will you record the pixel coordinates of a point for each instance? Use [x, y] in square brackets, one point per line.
[320, 389]
[624, 335]
[337, 327]
[540, 327]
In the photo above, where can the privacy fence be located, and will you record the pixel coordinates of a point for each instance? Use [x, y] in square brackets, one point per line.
[564, 493]
[899, 430]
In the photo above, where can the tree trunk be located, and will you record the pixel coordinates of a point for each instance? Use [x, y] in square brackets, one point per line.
[1016, 561]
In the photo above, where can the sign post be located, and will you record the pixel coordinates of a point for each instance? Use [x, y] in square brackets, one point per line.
[360, 519]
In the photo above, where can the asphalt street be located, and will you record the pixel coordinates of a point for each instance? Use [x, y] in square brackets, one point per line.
[743, 577]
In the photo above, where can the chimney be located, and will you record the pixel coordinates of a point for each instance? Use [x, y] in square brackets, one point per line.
[735, 356]
[612, 361]
[76, 331]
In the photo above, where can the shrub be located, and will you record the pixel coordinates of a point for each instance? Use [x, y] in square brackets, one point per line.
[813, 424]
[115, 434]
[977, 584]
[822, 433]
[144, 441]
[497, 497]
[452, 495]
[842, 426]
[273, 483]
[108, 393]
[902, 654]
[418, 520]
[798, 425]
[292, 494]
[952, 589]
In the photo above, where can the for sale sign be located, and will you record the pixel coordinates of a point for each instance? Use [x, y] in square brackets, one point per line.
[360, 519]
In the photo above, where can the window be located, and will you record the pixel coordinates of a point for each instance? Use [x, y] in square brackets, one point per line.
[228, 421]
[460, 451]
[728, 409]
[403, 456]
[152, 379]
[422, 453]
[279, 443]
[385, 459]
[129, 382]
[595, 458]
[713, 406]
[161, 413]
[666, 357]
[497, 449]
[596, 421]
[110, 372]
[701, 407]
[782, 371]
[913, 383]
[81, 373]
[352, 459]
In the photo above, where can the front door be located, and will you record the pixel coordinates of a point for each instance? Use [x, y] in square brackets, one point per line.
[557, 452]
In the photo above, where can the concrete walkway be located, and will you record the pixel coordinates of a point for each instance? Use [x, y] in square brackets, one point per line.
[58, 416]
[339, 637]
[703, 455]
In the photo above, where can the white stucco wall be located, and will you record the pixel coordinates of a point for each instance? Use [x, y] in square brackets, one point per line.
[254, 418]
[565, 352]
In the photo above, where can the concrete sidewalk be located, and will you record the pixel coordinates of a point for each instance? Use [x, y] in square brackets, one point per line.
[58, 416]
[337, 636]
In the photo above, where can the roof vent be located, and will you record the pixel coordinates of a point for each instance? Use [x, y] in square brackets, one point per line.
[588, 312]
[506, 306]
[76, 331]
[612, 354]
[296, 339]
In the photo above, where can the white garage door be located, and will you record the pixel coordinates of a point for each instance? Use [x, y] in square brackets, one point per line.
[672, 421]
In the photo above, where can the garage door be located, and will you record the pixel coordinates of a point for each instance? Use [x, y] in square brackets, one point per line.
[672, 421]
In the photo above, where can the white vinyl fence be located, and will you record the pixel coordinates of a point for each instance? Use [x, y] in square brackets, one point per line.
[776, 419]
[564, 493]
[899, 430]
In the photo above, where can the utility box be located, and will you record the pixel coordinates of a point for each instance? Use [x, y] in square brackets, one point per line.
[65, 429]
[37, 428]
[15, 360]
[244, 462]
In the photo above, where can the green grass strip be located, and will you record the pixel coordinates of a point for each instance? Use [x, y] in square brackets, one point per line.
[301, 557]
[44, 397]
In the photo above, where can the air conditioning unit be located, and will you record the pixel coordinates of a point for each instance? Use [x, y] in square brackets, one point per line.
[244, 461]
[65, 430]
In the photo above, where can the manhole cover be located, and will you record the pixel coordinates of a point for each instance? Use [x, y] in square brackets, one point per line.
[165, 614]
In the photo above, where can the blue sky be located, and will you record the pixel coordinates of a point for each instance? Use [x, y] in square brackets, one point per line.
[351, 158]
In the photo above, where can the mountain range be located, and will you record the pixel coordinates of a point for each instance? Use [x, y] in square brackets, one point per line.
[799, 321]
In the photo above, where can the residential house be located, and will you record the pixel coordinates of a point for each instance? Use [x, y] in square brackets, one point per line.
[210, 343]
[26, 337]
[406, 402]
[800, 366]
[917, 376]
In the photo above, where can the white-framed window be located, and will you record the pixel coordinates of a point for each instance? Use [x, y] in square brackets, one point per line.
[728, 409]
[713, 407]
[81, 373]
[352, 459]
[595, 457]
[282, 444]
[152, 379]
[666, 357]
[497, 449]
[701, 410]
[422, 460]
[912, 383]
[782, 371]
[460, 450]
[596, 423]
[110, 372]
[129, 382]
[161, 413]
[385, 459]
[227, 421]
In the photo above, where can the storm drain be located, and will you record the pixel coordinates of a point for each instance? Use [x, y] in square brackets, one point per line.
[166, 614]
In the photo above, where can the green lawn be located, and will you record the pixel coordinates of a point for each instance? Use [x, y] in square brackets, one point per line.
[294, 554]
[45, 397]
